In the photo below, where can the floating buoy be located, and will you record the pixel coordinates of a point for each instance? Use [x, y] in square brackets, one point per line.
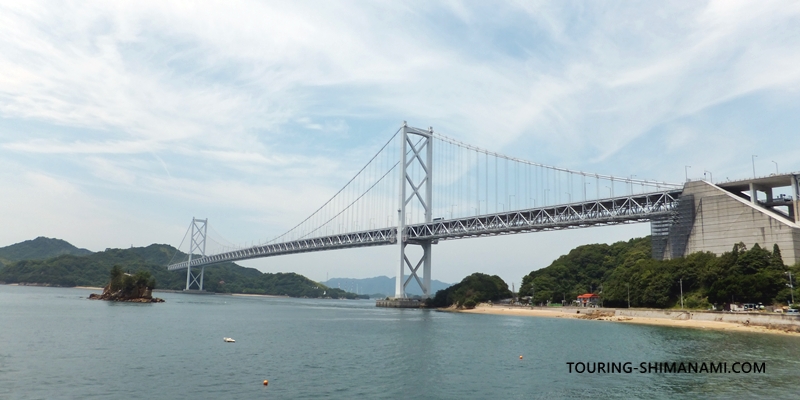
[266, 382]
[520, 357]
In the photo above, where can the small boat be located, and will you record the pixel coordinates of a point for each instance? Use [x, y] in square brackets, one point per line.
[229, 340]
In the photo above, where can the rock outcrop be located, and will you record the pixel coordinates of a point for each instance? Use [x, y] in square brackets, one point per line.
[126, 287]
[138, 295]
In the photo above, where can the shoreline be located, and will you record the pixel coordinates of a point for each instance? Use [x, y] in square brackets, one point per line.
[165, 291]
[256, 295]
[680, 323]
[52, 286]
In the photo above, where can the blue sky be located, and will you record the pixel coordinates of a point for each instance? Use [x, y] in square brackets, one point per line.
[120, 121]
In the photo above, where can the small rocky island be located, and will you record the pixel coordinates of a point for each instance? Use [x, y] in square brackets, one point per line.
[136, 288]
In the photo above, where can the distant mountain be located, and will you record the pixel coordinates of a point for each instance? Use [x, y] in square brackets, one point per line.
[40, 248]
[380, 285]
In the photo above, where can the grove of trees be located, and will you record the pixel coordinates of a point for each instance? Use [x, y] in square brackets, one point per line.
[474, 289]
[626, 270]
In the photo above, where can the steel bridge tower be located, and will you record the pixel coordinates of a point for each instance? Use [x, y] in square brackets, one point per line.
[197, 243]
[421, 154]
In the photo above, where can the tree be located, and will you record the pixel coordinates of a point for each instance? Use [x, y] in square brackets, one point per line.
[776, 259]
[473, 289]
[116, 278]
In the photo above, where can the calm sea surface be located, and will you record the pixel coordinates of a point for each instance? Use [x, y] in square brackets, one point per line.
[56, 344]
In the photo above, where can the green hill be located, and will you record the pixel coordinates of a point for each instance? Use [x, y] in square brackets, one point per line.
[473, 289]
[754, 275]
[93, 270]
[40, 248]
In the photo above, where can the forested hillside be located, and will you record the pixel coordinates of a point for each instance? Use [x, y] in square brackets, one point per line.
[40, 248]
[473, 289]
[93, 270]
[741, 275]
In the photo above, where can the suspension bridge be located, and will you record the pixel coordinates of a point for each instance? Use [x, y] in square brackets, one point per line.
[422, 187]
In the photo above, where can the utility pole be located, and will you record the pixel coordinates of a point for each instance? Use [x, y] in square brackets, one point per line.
[681, 293]
[710, 175]
[754, 165]
[629, 295]
[791, 286]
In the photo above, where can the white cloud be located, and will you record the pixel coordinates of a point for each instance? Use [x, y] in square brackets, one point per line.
[48, 146]
[44, 205]
[258, 111]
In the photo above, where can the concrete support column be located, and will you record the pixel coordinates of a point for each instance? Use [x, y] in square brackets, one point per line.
[188, 272]
[399, 292]
[796, 197]
[189, 263]
[399, 288]
[753, 193]
[426, 270]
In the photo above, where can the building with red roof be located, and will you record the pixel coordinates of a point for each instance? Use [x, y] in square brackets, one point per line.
[588, 300]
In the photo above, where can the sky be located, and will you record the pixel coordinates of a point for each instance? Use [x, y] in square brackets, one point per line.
[120, 121]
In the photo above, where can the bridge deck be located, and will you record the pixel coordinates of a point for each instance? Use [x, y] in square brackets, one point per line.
[628, 209]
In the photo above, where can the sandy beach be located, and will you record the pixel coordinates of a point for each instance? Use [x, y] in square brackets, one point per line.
[717, 325]
[89, 288]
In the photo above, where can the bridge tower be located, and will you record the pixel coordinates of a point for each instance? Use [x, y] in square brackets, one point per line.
[421, 192]
[197, 242]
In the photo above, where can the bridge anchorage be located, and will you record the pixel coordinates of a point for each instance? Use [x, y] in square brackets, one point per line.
[395, 200]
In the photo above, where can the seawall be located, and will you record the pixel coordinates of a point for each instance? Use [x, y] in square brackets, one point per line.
[791, 322]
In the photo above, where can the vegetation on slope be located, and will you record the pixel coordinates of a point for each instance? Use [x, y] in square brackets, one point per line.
[744, 276]
[40, 248]
[474, 289]
[94, 269]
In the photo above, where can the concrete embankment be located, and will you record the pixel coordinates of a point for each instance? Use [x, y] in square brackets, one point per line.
[739, 322]
[779, 321]
[400, 303]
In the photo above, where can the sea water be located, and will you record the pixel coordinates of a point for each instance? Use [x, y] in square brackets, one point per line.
[57, 344]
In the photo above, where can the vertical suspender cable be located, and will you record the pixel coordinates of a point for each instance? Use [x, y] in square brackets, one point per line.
[496, 190]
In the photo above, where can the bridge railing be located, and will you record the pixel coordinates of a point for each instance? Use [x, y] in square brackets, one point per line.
[638, 208]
